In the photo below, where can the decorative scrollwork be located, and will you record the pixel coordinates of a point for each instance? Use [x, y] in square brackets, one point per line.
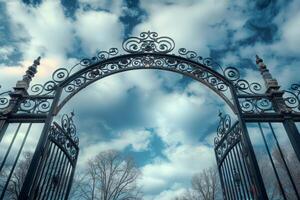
[230, 73]
[291, 97]
[224, 124]
[228, 138]
[65, 136]
[141, 61]
[148, 42]
[67, 124]
[192, 55]
[242, 85]
[4, 99]
[62, 74]
[35, 105]
[256, 105]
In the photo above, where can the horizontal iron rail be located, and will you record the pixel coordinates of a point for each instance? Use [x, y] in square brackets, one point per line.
[272, 117]
[26, 117]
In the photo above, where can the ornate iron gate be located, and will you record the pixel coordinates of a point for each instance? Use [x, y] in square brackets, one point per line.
[232, 161]
[55, 170]
[58, 165]
[238, 160]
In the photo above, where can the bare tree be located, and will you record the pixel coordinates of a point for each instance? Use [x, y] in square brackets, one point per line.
[205, 186]
[18, 176]
[110, 176]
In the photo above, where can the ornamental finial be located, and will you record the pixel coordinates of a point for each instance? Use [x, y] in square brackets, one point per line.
[32, 70]
[271, 84]
[23, 85]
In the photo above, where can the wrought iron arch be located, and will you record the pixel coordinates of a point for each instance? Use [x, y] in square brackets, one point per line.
[147, 52]
[253, 104]
[210, 78]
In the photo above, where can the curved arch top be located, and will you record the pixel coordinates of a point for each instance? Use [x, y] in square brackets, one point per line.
[146, 52]
[210, 78]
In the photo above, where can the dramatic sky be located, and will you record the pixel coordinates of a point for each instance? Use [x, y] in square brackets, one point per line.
[164, 120]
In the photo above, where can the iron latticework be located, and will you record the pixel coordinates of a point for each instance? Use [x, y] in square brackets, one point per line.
[238, 163]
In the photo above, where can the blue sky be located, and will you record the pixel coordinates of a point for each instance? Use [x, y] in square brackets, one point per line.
[166, 121]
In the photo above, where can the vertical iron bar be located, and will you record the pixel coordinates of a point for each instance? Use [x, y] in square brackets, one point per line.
[51, 173]
[232, 175]
[247, 146]
[36, 159]
[228, 189]
[63, 179]
[3, 127]
[232, 196]
[248, 177]
[293, 134]
[272, 163]
[10, 145]
[44, 178]
[73, 165]
[223, 183]
[48, 171]
[240, 169]
[285, 164]
[60, 174]
[15, 162]
[68, 181]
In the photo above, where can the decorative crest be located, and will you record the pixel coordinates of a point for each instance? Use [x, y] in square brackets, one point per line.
[148, 42]
[69, 127]
[65, 135]
[224, 124]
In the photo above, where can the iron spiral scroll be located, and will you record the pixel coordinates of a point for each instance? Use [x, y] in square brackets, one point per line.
[149, 50]
[292, 97]
[65, 136]
[227, 136]
[4, 99]
[144, 52]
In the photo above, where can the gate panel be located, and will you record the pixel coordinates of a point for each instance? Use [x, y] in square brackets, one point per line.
[55, 174]
[17, 143]
[232, 162]
[277, 160]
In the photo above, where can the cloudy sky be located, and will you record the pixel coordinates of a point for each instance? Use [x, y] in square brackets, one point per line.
[166, 121]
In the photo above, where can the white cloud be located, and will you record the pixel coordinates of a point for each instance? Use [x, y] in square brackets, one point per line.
[196, 25]
[182, 162]
[42, 30]
[192, 24]
[98, 30]
[6, 51]
[113, 6]
[138, 140]
[175, 191]
[288, 21]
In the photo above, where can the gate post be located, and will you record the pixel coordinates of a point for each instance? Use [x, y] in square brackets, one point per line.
[280, 106]
[259, 188]
[36, 161]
